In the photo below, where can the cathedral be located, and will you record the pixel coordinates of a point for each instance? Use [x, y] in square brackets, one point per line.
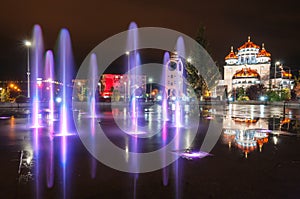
[248, 66]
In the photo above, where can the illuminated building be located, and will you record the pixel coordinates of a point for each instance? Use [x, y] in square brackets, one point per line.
[111, 82]
[249, 66]
[285, 80]
[174, 76]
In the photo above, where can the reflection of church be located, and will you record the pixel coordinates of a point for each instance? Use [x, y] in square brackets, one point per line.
[245, 130]
[249, 66]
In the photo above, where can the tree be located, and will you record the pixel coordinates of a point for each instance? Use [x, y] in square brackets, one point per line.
[296, 90]
[240, 93]
[255, 91]
[115, 97]
[5, 95]
[273, 96]
[285, 94]
[195, 80]
[201, 37]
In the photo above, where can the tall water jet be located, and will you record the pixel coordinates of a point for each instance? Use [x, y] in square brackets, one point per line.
[164, 94]
[37, 62]
[93, 81]
[180, 49]
[65, 64]
[132, 44]
[134, 61]
[49, 76]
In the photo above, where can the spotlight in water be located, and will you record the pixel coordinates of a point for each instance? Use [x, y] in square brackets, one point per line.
[159, 97]
[275, 140]
[58, 99]
[262, 98]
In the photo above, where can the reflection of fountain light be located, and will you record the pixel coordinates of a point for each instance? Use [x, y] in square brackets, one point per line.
[177, 114]
[50, 170]
[194, 155]
[275, 140]
[36, 170]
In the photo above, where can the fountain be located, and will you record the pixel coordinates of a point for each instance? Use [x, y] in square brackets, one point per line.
[92, 85]
[42, 88]
[65, 64]
[164, 94]
[49, 72]
[36, 72]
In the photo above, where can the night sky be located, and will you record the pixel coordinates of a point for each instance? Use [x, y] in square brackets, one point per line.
[92, 21]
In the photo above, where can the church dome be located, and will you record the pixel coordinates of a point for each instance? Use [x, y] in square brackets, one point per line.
[231, 55]
[248, 44]
[263, 52]
[246, 73]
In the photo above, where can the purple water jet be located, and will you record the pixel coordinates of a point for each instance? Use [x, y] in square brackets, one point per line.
[93, 73]
[37, 62]
[164, 94]
[65, 64]
[180, 49]
[49, 76]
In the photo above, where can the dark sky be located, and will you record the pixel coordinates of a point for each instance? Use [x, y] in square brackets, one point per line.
[92, 21]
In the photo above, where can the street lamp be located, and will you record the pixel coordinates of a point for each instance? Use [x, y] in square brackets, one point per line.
[276, 63]
[150, 81]
[28, 45]
[125, 92]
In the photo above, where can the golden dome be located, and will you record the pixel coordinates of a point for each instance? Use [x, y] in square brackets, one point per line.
[231, 55]
[246, 72]
[248, 44]
[263, 52]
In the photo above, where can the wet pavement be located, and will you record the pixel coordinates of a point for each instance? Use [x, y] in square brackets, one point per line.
[256, 156]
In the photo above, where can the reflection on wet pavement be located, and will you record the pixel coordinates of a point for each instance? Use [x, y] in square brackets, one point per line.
[259, 139]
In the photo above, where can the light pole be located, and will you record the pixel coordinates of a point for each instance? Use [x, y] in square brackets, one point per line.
[28, 45]
[150, 81]
[125, 92]
[276, 63]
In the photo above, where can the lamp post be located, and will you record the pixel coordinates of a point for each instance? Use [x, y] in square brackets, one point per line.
[290, 75]
[28, 45]
[150, 81]
[276, 63]
[125, 92]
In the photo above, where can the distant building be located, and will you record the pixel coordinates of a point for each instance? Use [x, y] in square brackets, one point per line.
[283, 79]
[112, 82]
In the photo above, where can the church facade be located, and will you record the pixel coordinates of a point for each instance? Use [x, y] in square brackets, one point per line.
[248, 66]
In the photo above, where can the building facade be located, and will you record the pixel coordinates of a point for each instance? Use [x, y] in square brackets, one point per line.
[174, 76]
[248, 66]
